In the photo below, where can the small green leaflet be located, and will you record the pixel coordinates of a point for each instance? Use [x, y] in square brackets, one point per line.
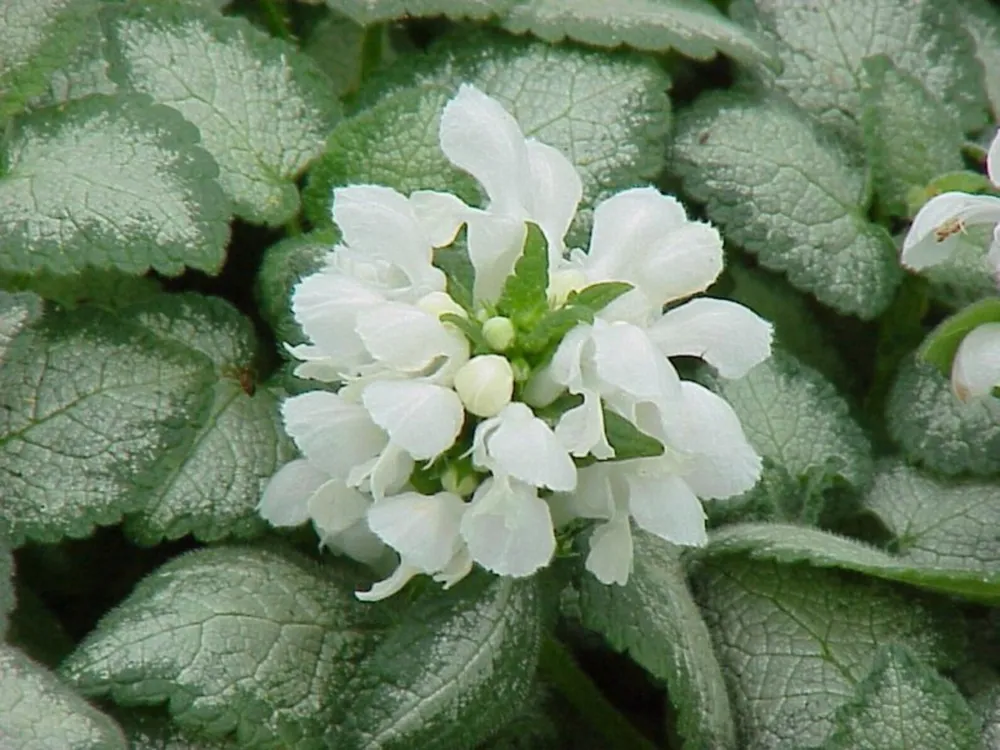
[455, 667]
[941, 344]
[580, 307]
[263, 108]
[937, 430]
[903, 704]
[910, 137]
[654, 619]
[234, 639]
[110, 182]
[627, 440]
[944, 536]
[822, 48]
[37, 710]
[523, 298]
[787, 191]
[794, 642]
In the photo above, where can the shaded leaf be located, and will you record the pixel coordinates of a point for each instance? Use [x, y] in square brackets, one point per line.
[941, 344]
[982, 21]
[16, 312]
[367, 12]
[523, 297]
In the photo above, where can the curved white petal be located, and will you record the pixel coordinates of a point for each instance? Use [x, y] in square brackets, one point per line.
[389, 586]
[727, 335]
[976, 368]
[936, 226]
[581, 429]
[441, 215]
[359, 543]
[408, 338]
[478, 135]
[334, 434]
[421, 418]
[610, 557]
[664, 505]
[993, 258]
[457, 568]
[721, 462]
[335, 507]
[422, 528]
[508, 528]
[555, 190]
[626, 359]
[285, 501]
[495, 243]
[626, 226]
[517, 443]
[326, 305]
[993, 160]
[595, 495]
[566, 367]
[385, 474]
[685, 262]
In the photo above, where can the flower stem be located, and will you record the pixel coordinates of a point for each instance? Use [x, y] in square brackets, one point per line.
[561, 671]
[371, 49]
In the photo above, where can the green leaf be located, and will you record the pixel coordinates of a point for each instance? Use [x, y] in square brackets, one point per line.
[16, 312]
[627, 439]
[285, 264]
[794, 642]
[598, 296]
[41, 713]
[991, 724]
[822, 48]
[457, 667]
[151, 730]
[794, 417]
[263, 108]
[471, 328]
[786, 191]
[937, 430]
[338, 46]
[85, 73]
[550, 330]
[941, 344]
[523, 298]
[944, 536]
[234, 639]
[694, 28]
[109, 290]
[553, 93]
[89, 405]
[367, 12]
[39, 37]
[910, 137]
[110, 182]
[966, 276]
[654, 619]
[454, 261]
[982, 21]
[7, 600]
[904, 705]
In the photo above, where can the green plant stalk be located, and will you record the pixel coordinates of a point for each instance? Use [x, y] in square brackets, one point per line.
[371, 49]
[277, 22]
[558, 668]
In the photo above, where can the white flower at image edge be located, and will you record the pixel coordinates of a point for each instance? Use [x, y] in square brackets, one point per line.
[936, 227]
[975, 370]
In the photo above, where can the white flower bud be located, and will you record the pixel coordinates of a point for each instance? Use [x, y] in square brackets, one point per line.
[459, 484]
[499, 333]
[485, 384]
[563, 283]
[440, 303]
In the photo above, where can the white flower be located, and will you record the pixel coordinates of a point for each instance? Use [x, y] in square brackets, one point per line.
[485, 384]
[524, 180]
[975, 370]
[508, 528]
[936, 227]
[518, 444]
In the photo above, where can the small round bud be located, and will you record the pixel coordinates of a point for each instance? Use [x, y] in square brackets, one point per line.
[541, 390]
[485, 384]
[563, 283]
[521, 368]
[499, 333]
[457, 483]
[440, 303]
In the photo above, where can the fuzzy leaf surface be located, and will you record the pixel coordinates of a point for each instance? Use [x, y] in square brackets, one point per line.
[791, 194]
[110, 182]
[16, 311]
[982, 20]
[366, 12]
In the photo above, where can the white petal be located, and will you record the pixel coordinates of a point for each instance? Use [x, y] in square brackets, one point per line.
[581, 429]
[523, 446]
[936, 226]
[386, 588]
[685, 262]
[566, 367]
[993, 160]
[555, 188]
[626, 359]
[976, 368]
[334, 434]
[359, 543]
[495, 244]
[727, 335]
[993, 258]
[422, 418]
[326, 305]
[385, 474]
[440, 214]
[315, 365]
[625, 227]
[478, 135]
[594, 496]
[665, 505]
[457, 568]
[335, 507]
[406, 337]
[721, 461]
[508, 528]
[422, 528]
[610, 558]
[285, 501]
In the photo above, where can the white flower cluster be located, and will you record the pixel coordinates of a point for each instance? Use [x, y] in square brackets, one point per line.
[932, 239]
[455, 436]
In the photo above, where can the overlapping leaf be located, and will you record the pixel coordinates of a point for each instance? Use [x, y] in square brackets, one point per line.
[451, 672]
[16, 312]
[236, 640]
[937, 430]
[982, 20]
[6, 584]
[263, 109]
[150, 730]
[655, 620]
[110, 182]
[787, 192]
[795, 642]
[367, 12]
[39, 712]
